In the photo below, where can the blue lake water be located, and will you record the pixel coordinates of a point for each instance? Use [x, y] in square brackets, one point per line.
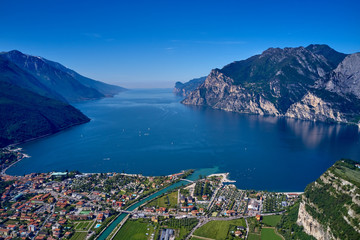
[151, 132]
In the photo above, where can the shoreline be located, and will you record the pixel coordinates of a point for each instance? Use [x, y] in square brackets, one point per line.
[224, 178]
[23, 155]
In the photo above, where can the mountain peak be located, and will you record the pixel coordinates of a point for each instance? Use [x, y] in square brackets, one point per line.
[313, 47]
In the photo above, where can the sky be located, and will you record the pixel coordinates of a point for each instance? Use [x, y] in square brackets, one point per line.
[153, 44]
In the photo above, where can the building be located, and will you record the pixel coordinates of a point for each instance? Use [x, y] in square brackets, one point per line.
[253, 205]
[166, 234]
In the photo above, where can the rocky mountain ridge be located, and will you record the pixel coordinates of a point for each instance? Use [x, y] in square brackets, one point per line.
[58, 81]
[291, 82]
[330, 207]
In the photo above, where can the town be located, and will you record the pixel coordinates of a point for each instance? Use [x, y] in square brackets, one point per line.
[74, 205]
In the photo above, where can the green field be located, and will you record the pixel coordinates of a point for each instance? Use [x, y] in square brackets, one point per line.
[253, 236]
[167, 201]
[135, 230]
[348, 171]
[78, 236]
[271, 221]
[83, 225]
[182, 226]
[269, 234]
[218, 229]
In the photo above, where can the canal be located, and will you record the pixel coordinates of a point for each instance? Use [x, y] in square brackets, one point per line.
[192, 177]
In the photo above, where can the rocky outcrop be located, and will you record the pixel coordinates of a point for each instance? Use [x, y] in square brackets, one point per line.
[314, 108]
[184, 89]
[219, 92]
[330, 206]
[345, 79]
[312, 226]
[290, 82]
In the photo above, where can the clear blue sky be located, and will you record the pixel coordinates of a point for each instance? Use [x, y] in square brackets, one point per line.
[156, 43]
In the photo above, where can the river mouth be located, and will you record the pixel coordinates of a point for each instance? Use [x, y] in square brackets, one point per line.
[151, 133]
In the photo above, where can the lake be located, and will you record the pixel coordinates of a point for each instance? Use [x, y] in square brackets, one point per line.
[152, 133]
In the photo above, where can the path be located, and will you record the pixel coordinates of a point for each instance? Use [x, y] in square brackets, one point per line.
[200, 223]
[202, 237]
[247, 228]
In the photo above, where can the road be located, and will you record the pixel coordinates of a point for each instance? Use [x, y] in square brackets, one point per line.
[52, 212]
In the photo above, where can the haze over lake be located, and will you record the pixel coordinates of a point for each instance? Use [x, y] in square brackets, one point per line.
[152, 133]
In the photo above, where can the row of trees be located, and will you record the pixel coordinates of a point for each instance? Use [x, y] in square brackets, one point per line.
[202, 189]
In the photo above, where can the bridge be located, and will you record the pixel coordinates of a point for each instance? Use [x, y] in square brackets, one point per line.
[187, 180]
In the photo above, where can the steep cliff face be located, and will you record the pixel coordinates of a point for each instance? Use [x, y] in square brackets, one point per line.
[345, 78]
[312, 107]
[330, 207]
[184, 89]
[287, 82]
[312, 226]
[220, 92]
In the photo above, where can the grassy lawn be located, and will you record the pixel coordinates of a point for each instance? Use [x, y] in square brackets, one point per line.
[269, 234]
[253, 236]
[83, 225]
[271, 221]
[344, 170]
[218, 229]
[195, 238]
[168, 201]
[78, 236]
[182, 227]
[135, 230]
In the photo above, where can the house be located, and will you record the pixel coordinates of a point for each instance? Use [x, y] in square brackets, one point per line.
[11, 226]
[32, 228]
[56, 233]
[100, 217]
[194, 212]
[4, 232]
[230, 213]
[161, 210]
[79, 204]
[238, 233]
[186, 208]
[154, 219]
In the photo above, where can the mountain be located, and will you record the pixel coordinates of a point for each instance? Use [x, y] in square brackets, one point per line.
[35, 93]
[345, 78]
[184, 89]
[330, 206]
[284, 82]
[104, 88]
[11, 73]
[26, 115]
[61, 81]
